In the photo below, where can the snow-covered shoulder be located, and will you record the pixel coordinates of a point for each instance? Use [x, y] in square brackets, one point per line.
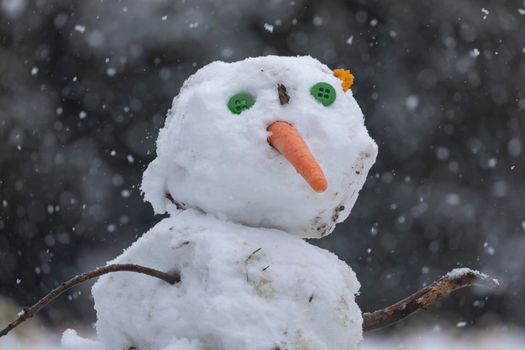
[241, 288]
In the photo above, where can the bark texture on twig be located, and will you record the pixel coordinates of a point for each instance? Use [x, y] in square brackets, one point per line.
[178, 205]
[454, 280]
[29, 312]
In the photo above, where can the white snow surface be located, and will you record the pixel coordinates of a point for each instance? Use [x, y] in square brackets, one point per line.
[499, 338]
[72, 341]
[460, 271]
[241, 288]
[222, 164]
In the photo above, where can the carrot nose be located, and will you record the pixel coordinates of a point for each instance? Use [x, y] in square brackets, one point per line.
[287, 140]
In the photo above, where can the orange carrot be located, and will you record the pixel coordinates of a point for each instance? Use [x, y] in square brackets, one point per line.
[286, 139]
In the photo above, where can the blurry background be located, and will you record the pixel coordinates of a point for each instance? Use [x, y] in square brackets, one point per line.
[85, 86]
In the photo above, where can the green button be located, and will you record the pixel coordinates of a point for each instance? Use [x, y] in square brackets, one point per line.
[240, 102]
[324, 93]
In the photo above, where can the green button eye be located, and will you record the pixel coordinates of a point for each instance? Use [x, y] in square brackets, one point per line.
[240, 102]
[324, 93]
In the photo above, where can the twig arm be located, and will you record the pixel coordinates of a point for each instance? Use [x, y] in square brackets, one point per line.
[29, 312]
[454, 280]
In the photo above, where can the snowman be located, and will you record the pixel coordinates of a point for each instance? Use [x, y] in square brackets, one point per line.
[255, 156]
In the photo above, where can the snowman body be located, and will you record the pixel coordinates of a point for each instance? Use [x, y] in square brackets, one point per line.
[241, 288]
[238, 213]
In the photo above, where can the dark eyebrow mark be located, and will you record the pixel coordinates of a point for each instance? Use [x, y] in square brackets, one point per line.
[284, 98]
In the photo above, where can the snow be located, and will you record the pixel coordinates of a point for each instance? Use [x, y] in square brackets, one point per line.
[110, 71]
[498, 337]
[221, 163]
[80, 28]
[485, 13]
[514, 145]
[453, 199]
[455, 273]
[242, 288]
[317, 21]
[491, 339]
[474, 53]
[464, 270]
[411, 102]
[490, 250]
[71, 341]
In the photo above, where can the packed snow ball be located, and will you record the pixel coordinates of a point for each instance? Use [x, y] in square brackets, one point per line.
[221, 162]
[242, 288]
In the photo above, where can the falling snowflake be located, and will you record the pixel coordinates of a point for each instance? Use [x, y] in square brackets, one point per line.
[485, 12]
[80, 28]
[268, 27]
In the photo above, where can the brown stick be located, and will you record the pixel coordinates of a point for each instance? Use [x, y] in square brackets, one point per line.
[454, 280]
[29, 312]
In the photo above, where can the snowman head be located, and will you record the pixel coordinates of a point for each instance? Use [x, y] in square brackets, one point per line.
[270, 141]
